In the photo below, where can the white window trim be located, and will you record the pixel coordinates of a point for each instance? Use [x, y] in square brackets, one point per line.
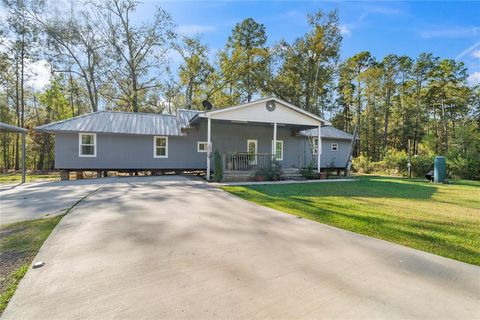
[281, 154]
[315, 145]
[334, 144]
[256, 145]
[155, 147]
[94, 145]
[254, 161]
[202, 142]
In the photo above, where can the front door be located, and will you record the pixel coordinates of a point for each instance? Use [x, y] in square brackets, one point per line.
[252, 151]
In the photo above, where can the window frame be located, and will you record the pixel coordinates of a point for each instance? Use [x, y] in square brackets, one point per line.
[332, 146]
[80, 145]
[315, 145]
[281, 154]
[200, 143]
[155, 147]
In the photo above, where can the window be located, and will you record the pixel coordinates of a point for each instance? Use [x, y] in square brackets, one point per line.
[202, 146]
[279, 155]
[160, 147]
[87, 145]
[315, 145]
[252, 151]
[334, 146]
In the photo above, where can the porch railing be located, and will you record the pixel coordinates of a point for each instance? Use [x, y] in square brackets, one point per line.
[243, 161]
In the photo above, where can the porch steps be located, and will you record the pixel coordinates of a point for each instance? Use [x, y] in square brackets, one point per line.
[292, 174]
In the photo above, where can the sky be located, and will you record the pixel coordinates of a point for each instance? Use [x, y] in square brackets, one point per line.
[448, 29]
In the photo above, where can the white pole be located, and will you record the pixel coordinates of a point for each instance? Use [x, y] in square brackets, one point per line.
[24, 150]
[274, 141]
[319, 147]
[209, 146]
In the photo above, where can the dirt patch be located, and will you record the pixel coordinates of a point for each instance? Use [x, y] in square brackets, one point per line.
[9, 262]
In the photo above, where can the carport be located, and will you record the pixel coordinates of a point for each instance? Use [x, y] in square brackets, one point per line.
[4, 127]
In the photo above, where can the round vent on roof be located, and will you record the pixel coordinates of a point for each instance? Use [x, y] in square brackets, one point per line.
[270, 105]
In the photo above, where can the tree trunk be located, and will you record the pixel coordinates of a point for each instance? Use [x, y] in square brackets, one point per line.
[445, 126]
[385, 126]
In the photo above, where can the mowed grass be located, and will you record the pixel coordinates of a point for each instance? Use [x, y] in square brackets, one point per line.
[17, 177]
[19, 243]
[438, 218]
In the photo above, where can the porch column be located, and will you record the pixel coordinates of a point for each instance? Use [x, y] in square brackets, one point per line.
[209, 146]
[274, 141]
[24, 149]
[319, 147]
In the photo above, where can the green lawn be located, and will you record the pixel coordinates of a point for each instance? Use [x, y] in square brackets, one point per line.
[17, 177]
[19, 243]
[437, 218]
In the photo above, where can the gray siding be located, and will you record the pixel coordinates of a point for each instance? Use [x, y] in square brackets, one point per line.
[122, 151]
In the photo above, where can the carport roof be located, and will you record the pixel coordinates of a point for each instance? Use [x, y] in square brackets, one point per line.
[5, 127]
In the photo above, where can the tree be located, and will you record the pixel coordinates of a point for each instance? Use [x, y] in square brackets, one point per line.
[137, 52]
[195, 70]
[75, 47]
[447, 93]
[307, 66]
[390, 65]
[245, 58]
[23, 47]
[421, 72]
[352, 73]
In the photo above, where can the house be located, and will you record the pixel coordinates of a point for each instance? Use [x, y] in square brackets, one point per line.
[246, 135]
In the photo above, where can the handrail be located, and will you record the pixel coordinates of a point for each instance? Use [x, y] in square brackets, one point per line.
[244, 161]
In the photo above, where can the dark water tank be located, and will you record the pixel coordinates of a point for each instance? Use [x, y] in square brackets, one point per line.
[439, 170]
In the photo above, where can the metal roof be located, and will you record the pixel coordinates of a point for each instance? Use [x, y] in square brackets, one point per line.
[147, 124]
[124, 123]
[5, 127]
[328, 132]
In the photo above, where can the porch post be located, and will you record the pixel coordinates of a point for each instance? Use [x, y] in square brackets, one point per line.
[319, 147]
[209, 146]
[24, 149]
[274, 141]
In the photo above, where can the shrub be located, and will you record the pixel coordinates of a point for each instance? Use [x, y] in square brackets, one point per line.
[361, 164]
[421, 165]
[309, 172]
[218, 166]
[271, 172]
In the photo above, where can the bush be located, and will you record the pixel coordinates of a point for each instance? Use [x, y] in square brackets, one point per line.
[463, 167]
[309, 172]
[218, 166]
[394, 163]
[271, 172]
[361, 164]
[421, 164]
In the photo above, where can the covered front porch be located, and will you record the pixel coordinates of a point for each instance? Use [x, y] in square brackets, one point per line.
[269, 135]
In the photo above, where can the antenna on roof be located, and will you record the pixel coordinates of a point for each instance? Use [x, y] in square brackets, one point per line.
[207, 105]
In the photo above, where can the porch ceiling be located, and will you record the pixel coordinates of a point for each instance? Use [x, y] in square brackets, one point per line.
[292, 127]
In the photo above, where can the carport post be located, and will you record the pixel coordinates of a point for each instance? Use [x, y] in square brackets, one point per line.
[24, 169]
[319, 147]
[209, 146]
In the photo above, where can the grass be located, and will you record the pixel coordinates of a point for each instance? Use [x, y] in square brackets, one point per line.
[19, 243]
[17, 177]
[437, 218]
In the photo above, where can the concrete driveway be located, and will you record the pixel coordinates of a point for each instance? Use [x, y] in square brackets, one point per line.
[169, 248]
[41, 199]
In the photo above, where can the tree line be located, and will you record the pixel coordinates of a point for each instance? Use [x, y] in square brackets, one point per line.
[102, 57]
